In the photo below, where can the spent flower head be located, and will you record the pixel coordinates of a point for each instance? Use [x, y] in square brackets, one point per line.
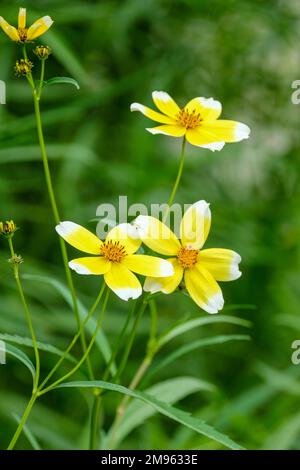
[42, 52]
[16, 260]
[23, 34]
[23, 67]
[8, 228]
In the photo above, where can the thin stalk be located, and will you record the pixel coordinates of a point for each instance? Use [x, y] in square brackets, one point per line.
[119, 342]
[85, 355]
[130, 340]
[75, 338]
[28, 317]
[36, 100]
[95, 420]
[177, 181]
[144, 366]
[22, 422]
[96, 408]
[40, 89]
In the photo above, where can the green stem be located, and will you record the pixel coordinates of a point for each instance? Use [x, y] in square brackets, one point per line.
[28, 317]
[95, 420]
[177, 181]
[122, 407]
[85, 355]
[48, 178]
[130, 340]
[22, 422]
[96, 409]
[40, 89]
[119, 342]
[75, 338]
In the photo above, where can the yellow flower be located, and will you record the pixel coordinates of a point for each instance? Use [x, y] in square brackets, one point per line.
[22, 33]
[197, 121]
[114, 258]
[200, 269]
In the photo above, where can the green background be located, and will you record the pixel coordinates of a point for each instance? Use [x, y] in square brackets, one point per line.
[243, 53]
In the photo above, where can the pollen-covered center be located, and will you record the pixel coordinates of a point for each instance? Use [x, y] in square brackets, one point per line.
[187, 257]
[188, 119]
[113, 251]
[22, 34]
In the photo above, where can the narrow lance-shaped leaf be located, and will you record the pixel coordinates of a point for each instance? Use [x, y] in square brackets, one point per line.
[171, 412]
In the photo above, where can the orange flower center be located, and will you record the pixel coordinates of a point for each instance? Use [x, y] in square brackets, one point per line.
[113, 251]
[187, 257]
[22, 34]
[189, 120]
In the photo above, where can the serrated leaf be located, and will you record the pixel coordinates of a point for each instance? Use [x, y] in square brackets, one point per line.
[22, 340]
[165, 409]
[60, 80]
[169, 391]
[18, 354]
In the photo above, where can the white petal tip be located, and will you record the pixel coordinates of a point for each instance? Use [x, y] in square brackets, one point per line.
[79, 268]
[48, 21]
[154, 131]
[136, 107]
[65, 228]
[152, 286]
[166, 269]
[127, 294]
[214, 304]
[213, 146]
[242, 132]
[210, 103]
[161, 95]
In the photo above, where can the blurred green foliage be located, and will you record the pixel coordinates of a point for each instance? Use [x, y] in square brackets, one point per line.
[244, 53]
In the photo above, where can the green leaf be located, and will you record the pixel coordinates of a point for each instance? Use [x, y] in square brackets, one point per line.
[165, 409]
[24, 341]
[195, 345]
[59, 80]
[193, 323]
[18, 354]
[101, 340]
[169, 391]
[31, 438]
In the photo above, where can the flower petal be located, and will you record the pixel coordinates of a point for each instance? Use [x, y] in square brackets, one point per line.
[208, 108]
[79, 237]
[90, 265]
[148, 265]
[22, 18]
[203, 138]
[165, 104]
[123, 282]
[226, 131]
[166, 285]
[155, 116]
[173, 131]
[39, 27]
[203, 289]
[195, 225]
[222, 264]
[156, 235]
[127, 235]
[11, 31]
